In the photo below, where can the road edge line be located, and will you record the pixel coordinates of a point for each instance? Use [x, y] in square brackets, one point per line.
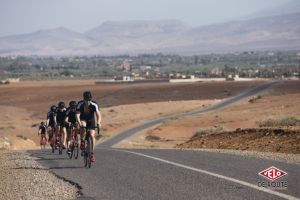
[285, 196]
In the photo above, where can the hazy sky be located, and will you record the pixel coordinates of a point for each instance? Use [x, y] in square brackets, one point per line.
[24, 16]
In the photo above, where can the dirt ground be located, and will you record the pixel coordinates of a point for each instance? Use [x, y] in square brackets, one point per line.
[282, 101]
[24, 105]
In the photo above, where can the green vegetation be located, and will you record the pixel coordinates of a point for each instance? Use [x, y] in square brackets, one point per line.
[286, 121]
[245, 64]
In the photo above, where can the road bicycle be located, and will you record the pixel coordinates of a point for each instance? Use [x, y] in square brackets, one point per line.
[51, 134]
[43, 142]
[57, 140]
[74, 145]
[88, 147]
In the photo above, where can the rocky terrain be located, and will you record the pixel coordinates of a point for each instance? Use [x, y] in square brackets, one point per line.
[22, 177]
[255, 139]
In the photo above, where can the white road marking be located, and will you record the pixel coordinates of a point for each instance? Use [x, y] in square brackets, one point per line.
[285, 196]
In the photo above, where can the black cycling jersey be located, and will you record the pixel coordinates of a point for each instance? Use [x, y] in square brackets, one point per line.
[60, 116]
[43, 129]
[87, 112]
[50, 116]
[71, 114]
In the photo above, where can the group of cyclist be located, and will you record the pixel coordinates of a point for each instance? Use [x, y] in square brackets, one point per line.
[84, 114]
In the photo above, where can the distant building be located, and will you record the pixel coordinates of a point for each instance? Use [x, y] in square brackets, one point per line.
[123, 78]
[145, 67]
[13, 80]
[215, 71]
[125, 66]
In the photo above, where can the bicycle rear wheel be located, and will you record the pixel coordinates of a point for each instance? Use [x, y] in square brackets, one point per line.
[60, 148]
[53, 138]
[43, 144]
[85, 152]
[71, 154]
[75, 149]
[89, 152]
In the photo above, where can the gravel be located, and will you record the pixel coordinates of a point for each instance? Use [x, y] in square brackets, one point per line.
[22, 177]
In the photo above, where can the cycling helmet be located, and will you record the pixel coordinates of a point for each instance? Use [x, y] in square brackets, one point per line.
[61, 104]
[72, 104]
[53, 108]
[87, 95]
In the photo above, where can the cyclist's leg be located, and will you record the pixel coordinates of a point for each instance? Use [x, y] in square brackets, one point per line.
[69, 136]
[43, 138]
[93, 139]
[91, 124]
[50, 135]
[59, 134]
[82, 134]
[64, 135]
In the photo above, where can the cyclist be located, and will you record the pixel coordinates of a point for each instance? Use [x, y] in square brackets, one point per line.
[87, 115]
[70, 120]
[42, 131]
[51, 123]
[60, 117]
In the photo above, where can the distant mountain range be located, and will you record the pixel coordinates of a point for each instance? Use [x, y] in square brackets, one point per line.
[281, 32]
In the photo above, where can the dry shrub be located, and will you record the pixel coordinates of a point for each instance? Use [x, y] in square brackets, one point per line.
[286, 121]
[208, 131]
[152, 138]
[22, 137]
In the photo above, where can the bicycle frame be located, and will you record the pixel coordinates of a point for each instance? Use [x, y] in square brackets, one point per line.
[43, 141]
[88, 150]
[74, 145]
[57, 140]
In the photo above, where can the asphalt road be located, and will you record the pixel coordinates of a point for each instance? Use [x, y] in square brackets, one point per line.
[171, 174]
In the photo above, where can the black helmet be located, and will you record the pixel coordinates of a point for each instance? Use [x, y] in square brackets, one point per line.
[72, 104]
[61, 104]
[87, 95]
[53, 108]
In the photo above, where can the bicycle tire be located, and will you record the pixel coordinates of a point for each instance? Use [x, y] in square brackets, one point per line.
[89, 152]
[76, 148]
[59, 146]
[85, 153]
[53, 141]
[70, 155]
[85, 158]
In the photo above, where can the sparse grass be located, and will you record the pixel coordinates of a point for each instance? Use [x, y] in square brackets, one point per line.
[22, 137]
[152, 138]
[35, 125]
[253, 99]
[208, 131]
[7, 128]
[286, 121]
[11, 127]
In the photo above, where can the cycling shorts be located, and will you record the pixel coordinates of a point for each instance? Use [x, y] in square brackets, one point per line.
[90, 124]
